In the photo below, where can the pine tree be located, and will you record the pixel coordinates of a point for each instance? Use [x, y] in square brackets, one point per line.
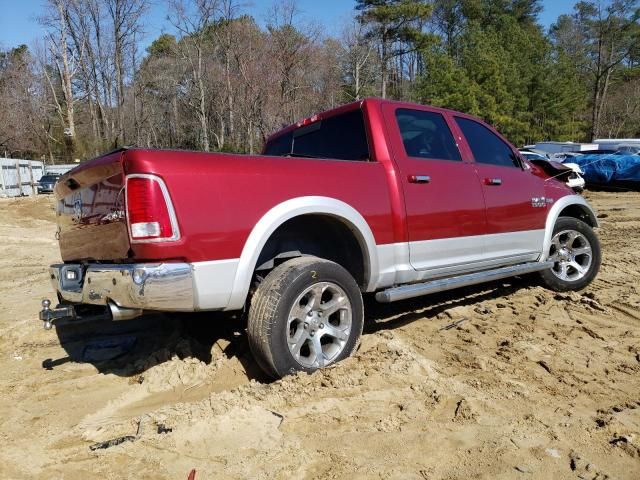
[396, 25]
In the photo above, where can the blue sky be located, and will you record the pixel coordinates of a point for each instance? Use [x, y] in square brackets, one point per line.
[18, 20]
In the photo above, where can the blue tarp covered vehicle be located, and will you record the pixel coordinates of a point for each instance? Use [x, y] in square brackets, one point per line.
[609, 168]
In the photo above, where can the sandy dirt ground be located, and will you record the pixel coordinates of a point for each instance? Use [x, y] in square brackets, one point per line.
[530, 384]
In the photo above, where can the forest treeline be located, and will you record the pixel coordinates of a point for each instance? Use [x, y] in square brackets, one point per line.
[222, 81]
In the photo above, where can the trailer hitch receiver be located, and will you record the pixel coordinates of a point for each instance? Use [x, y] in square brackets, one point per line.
[49, 315]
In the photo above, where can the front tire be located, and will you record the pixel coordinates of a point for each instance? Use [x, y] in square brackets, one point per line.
[306, 314]
[576, 251]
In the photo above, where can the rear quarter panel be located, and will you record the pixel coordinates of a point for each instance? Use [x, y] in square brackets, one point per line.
[219, 198]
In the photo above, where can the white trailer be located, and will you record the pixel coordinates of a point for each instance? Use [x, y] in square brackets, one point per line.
[59, 169]
[564, 147]
[618, 143]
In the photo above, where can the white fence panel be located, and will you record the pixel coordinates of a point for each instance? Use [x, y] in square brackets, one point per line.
[18, 177]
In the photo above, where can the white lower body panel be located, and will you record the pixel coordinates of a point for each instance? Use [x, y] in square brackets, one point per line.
[398, 263]
[213, 283]
[428, 259]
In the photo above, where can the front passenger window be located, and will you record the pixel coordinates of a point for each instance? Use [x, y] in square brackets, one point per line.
[485, 145]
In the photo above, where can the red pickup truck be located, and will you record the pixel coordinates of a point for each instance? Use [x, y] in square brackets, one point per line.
[375, 196]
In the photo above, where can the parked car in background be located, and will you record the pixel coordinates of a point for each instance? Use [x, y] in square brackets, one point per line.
[47, 182]
[573, 179]
[619, 169]
[392, 198]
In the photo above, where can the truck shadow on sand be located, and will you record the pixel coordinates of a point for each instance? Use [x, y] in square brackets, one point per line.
[388, 316]
[129, 348]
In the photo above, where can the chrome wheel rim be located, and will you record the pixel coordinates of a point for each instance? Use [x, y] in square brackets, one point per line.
[319, 325]
[571, 252]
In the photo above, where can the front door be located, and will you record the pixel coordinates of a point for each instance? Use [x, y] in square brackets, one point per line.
[444, 204]
[513, 195]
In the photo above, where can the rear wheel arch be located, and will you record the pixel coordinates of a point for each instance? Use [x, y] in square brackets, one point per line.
[318, 207]
[318, 235]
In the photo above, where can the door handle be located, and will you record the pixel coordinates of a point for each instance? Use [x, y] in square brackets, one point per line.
[419, 178]
[493, 181]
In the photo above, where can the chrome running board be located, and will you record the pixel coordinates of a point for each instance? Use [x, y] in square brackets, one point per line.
[433, 286]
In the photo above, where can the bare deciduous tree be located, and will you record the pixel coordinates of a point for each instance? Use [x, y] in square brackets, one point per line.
[66, 65]
[125, 18]
[192, 18]
[357, 57]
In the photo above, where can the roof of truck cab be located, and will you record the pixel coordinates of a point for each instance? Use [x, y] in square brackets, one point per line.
[347, 107]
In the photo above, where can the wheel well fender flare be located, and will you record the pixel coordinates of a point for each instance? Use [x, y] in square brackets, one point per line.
[279, 214]
[555, 212]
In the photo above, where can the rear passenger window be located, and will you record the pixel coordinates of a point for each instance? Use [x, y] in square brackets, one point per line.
[279, 146]
[426, 135]
[485, 145]
[341, 137]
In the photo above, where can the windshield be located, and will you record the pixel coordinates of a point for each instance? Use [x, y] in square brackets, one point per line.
[49, 178]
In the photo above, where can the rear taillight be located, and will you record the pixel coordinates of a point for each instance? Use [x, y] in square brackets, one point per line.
[149, 211]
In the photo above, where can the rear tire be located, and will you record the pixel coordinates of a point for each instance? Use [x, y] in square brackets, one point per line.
[306, 314]
[576, 251]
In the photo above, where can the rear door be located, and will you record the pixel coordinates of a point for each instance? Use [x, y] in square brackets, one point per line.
[444, 204]
[516, 208]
